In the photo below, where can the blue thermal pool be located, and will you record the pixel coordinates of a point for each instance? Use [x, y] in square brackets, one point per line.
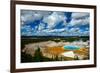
[71, 47]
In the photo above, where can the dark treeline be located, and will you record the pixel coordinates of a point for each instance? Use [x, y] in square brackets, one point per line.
[53, 36]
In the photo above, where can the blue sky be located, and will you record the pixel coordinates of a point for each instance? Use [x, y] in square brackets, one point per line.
[54, 23]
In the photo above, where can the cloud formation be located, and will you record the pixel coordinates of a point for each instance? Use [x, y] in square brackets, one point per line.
[80, 19]
[53, 23]
[54, 19]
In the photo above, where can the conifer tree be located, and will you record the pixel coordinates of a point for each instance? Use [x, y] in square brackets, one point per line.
[38, 55]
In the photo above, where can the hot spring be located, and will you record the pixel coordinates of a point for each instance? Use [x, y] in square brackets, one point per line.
[71, 47]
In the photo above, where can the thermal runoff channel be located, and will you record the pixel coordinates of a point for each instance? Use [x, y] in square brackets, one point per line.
[54, 36]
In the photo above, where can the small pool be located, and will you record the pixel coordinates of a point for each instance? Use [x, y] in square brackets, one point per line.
[71, 47]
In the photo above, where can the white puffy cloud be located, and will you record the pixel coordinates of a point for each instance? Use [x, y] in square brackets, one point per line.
[53, 19]
[76, 22]
[79, 31]
[52, 32]
[55, 30]
[26, 28]
[41, 26]
[79, 15]
[79, 19]
[74, 30]
[31, 16]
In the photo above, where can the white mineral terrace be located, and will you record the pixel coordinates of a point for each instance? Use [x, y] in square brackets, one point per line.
[69, 54]
[30, 48]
